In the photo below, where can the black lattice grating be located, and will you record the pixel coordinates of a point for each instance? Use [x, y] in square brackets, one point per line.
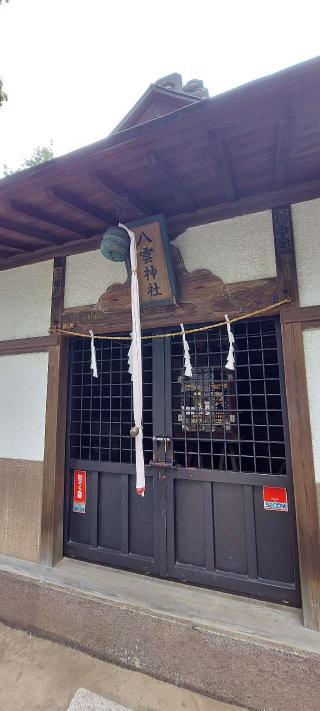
[224, 420]
[101, 409]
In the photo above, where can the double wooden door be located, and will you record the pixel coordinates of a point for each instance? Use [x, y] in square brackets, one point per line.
[216, 450]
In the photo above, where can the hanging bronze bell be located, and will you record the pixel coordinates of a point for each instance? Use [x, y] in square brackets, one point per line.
[115, 244]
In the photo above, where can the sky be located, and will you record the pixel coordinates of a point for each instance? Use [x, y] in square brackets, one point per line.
[73, 68]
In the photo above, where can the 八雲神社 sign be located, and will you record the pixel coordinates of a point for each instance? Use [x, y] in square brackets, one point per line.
[154, 264]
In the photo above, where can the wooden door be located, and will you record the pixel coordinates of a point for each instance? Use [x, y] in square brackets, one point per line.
[211, 442]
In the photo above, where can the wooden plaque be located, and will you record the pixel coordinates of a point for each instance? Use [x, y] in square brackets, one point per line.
[156, 277]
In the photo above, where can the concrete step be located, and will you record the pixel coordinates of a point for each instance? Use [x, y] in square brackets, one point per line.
[240, 651]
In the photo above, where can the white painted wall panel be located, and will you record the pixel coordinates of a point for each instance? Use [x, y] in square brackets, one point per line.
[88, 275]
[306, 231]
[311, 339]
[23, 394]
[239, 249]
[25, 301]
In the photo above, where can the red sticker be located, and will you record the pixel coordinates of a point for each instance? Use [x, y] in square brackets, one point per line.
[275, 498]
[79, 491]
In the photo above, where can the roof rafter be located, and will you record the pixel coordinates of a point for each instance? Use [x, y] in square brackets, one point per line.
[162, 171]
[71, 199]
[221, 158]
[54, 220]
[30, 232]
[13, 244]
[121, 192]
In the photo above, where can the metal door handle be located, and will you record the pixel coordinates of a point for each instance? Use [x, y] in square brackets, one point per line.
[163, 440]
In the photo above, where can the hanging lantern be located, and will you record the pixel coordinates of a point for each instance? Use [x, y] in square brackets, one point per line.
[115, 244]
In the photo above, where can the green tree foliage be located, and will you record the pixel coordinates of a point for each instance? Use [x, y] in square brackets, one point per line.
[40, 154]
[3, 95]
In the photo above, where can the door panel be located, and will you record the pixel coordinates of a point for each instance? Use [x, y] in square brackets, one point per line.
[229, 428]
[230, 528]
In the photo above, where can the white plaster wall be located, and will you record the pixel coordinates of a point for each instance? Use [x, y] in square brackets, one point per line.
[239, 249]
[23, 394]
[311, 338]
[306, 231]
[25, 301]
[88, 275]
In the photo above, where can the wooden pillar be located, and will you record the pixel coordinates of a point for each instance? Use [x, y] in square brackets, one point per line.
[51, 543]
[299, 423]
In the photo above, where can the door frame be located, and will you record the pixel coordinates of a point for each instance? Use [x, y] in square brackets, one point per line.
[51, 534]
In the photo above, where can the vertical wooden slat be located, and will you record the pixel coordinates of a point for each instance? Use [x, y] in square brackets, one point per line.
[251, 532]
[124, 514]
[285, 254]
[303, 472]
[208, 523]
[51, 536]
[94, 509]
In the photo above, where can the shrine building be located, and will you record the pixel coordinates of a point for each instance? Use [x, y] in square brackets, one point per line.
[223, 196]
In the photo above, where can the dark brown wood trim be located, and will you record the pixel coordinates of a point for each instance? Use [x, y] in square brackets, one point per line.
[51, 539]
[303, 473]
[38, 344]
[307, 515]
[165, 174]
[309, 316]
[35, 212]
[57, 298]
[202, 298]
[71, 199]
[28, 232]
[285, 254]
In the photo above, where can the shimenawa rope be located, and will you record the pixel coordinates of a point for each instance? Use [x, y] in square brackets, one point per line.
[257, 312]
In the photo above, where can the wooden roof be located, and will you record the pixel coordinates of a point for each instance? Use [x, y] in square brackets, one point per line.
[242, 151]
[155, 102]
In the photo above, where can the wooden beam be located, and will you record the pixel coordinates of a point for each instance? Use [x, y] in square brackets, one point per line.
[180, 221]
[221, 159]
[285, 254]
[38, 344]
[10, 250]
[54, 220]
[28, 231]
[121, 192]
[165, 174]
[303, 473]
[57, 298]
[51, 537]
[308, 316]
[13, 244]
[282, 148]
[71, 199]
[41, 255]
